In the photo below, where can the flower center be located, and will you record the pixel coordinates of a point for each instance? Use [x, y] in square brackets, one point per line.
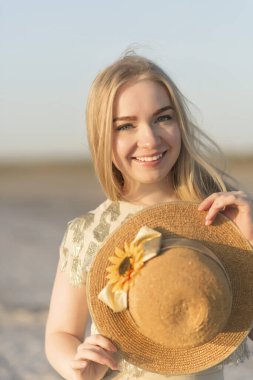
[125, 265]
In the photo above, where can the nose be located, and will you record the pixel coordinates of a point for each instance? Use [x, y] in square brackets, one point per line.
[148, 137]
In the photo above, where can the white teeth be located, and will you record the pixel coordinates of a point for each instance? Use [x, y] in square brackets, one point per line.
[153, 158]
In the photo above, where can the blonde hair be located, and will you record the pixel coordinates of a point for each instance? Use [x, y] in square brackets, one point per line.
[194, 177]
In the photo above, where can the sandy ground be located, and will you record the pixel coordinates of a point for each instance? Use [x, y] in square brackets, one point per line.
[36, 203]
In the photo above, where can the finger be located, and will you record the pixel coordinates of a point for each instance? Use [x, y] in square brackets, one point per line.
[232, 197]
[98, 340]
[87, 346]
[91, 349]
[217, 202]
[97, 355]
[79, 364]
[81, 352]
[207, 202]
[220, 203]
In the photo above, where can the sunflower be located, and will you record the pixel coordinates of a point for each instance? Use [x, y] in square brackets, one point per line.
[126, 263]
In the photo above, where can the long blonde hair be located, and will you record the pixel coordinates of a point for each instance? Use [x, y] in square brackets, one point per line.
[194, 177]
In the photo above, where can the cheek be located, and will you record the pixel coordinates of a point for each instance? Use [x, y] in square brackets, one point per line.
[120, 146]
[174, 137]
[178, 138]
[117, 151]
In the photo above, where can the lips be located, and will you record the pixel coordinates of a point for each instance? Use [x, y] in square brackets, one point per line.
[154, 157]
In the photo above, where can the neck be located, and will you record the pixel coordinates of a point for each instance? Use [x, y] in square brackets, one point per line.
[149, 195]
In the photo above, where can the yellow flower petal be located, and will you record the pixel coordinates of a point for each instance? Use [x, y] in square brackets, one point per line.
[125, 265]
[111, 268]
[112, 281]
[114, 259]
[126, 286]
[116, 287]
[119, 252]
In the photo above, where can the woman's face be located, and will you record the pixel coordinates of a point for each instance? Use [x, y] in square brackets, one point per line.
[146, 138]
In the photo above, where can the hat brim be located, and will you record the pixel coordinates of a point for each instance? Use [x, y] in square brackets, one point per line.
[177, 219]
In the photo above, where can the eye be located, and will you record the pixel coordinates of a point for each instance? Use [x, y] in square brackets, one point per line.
[124, 127]
[163, 118]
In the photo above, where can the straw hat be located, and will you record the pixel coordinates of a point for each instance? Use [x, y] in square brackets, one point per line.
[188, 307]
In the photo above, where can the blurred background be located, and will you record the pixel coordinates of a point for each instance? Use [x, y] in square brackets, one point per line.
[50, 54]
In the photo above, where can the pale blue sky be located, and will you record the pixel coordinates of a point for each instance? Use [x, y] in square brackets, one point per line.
[52, 49]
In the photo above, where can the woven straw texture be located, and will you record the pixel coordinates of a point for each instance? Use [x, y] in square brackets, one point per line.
[173, 220]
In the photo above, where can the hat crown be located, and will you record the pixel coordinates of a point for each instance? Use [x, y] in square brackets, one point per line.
[182, 298]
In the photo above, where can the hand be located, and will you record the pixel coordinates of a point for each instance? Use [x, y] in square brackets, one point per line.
[93, 357]
[236, 205]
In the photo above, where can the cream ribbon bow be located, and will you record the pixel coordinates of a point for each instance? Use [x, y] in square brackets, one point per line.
[150, 240]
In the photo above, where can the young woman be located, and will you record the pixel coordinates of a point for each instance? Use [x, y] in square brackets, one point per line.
[145, 150]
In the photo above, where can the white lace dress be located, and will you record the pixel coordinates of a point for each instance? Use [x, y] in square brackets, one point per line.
[80, 243]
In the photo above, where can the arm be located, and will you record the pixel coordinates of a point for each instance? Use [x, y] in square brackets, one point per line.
[72, 358]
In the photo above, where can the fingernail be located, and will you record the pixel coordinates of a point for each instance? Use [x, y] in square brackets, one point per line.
[207, 222]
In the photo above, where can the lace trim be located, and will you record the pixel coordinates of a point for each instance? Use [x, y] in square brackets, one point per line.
[129, 371]
[240, 355]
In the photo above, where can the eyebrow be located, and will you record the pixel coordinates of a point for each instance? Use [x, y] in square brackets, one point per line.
[131, 118]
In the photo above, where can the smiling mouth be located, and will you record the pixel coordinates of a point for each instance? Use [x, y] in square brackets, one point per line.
[150, 158]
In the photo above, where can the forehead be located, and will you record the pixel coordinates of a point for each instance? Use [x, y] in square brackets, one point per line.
[143, 94]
